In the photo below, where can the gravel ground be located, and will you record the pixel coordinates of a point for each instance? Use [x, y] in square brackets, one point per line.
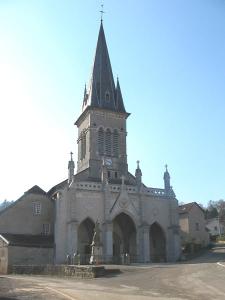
[202, 278]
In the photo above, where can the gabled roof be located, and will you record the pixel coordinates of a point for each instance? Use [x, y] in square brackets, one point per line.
[185, 208]
[36, 190]
[102, 92]
[28, 240]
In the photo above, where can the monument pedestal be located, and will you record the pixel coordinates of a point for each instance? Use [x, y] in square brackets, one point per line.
[96, 255]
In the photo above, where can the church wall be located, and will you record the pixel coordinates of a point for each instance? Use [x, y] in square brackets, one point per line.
[61, 219]
[88, 204]
[155, 209]
[19, 218]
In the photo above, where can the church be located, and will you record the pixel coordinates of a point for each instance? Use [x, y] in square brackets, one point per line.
[136, 220]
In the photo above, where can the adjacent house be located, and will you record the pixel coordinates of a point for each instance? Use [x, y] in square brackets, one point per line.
[26, 230]
[215, 228]
[192, 222]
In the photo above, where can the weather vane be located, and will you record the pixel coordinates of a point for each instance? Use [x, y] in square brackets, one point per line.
[102, 11]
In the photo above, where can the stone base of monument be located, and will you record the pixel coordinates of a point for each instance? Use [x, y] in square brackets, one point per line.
[60, 270]
[96, 255]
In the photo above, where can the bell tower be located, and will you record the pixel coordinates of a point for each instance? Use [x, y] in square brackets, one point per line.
[102, 123]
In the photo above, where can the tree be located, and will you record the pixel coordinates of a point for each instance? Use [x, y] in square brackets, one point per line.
[221, 210]
[5, 204]
[216, 209]
[211, 211]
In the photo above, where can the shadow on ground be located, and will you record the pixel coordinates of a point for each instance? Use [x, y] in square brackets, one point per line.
[213, 255]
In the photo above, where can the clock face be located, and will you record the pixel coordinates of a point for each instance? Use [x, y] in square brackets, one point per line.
[108, 161]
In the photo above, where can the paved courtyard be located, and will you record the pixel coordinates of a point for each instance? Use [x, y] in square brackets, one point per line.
[201, 278]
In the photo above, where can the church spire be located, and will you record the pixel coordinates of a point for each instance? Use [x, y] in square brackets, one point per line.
[102, 92]
[119, 98]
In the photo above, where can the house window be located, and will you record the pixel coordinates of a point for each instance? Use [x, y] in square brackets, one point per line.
[36, 208]
[116, 175]
[197, 226]
[46, 229]
[109, 174]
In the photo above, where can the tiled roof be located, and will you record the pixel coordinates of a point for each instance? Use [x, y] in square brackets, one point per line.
[185, 208]
[27, 240]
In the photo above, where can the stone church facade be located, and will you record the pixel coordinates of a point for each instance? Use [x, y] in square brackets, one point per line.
[134, 219]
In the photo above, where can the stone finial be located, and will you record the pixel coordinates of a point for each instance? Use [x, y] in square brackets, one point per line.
[71, 167]
[166, 178]
[71, 156]
[138, 162]
[138, 175]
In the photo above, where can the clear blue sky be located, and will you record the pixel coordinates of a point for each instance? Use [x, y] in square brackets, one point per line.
[170, 59]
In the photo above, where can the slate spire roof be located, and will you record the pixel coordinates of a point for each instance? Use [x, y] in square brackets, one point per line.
[102, 92]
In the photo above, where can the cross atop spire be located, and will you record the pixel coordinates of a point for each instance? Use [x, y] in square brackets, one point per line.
[102, 12]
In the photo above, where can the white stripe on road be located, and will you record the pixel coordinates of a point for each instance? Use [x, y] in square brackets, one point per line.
[220, 264]
[61, 293]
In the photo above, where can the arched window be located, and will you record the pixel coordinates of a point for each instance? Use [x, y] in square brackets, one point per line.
[79, 148]
[107, 96]
[98, 90]
[108, 142]
[83, 145]
[101, 141]
[115, 143]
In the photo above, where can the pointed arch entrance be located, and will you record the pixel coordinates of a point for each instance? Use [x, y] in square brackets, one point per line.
[85, 235]
[124, 237]
[157, 243]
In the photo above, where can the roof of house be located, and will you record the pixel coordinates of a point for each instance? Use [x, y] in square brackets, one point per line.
[185, 208]
[36, 190]
[28, 240]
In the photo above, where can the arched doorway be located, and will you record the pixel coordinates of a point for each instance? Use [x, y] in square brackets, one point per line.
[85, 235]
[124, 238]
[157, 243]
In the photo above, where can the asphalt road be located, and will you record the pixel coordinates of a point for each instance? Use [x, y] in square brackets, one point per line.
[202, 278]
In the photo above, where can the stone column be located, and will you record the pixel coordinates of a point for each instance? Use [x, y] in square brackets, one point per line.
[108, 241]
[72, 241]
[146, 244]
[139, 243]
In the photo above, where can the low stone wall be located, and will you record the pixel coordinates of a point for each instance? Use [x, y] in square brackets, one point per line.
[59, 270]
